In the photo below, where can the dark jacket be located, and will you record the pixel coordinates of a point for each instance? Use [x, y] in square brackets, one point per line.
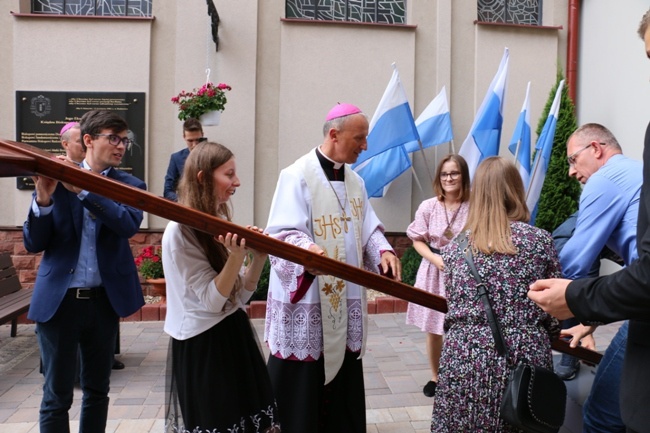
[58, 236]
[174, 172]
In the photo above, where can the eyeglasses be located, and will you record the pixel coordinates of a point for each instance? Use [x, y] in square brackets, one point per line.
[452, 174]
[115, 140]
[571, 159]
[197, 140]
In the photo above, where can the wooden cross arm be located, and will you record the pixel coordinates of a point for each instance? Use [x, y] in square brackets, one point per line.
[19, 159]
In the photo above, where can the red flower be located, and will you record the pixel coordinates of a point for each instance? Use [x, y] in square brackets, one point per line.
[149, 262]
[202, 100]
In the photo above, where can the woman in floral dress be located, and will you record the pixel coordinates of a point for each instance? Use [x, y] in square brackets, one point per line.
[509, 254]
[437, 221]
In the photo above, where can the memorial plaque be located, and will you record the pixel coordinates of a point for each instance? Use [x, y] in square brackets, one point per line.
[41, 115]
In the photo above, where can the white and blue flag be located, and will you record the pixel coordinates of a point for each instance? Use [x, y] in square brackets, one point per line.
[543, 155]
[520, 141]
[485, 134]
[391, 127]
[433, 124]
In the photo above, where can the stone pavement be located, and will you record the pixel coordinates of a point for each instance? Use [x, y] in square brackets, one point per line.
[395, 369]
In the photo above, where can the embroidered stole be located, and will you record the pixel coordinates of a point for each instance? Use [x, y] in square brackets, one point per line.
[327, 214]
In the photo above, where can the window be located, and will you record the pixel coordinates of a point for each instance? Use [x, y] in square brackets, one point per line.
[526, 12]
[362, 11]
[107, 8]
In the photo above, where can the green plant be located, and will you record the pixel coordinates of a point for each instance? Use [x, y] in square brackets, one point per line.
[263, 284]
[410, 264]
[149, 263]
[560, 193]
[200, 101]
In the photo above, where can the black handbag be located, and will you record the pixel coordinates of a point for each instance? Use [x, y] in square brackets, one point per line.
[535, 397]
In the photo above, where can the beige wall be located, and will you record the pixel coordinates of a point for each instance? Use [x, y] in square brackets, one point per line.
[285, 77]
[613, 72]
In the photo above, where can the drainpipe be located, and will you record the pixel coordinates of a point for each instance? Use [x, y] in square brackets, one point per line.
[573, 37]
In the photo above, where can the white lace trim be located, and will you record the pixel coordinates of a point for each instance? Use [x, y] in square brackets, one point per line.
[296, 329]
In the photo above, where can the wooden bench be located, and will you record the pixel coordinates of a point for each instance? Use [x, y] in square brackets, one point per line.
[14, 300]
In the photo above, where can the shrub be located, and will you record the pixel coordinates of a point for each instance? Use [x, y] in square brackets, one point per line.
[560, 193]
[410, 264]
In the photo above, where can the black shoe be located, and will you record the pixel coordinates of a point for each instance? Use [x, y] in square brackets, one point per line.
[568, 367]
[430, 388]
[118, 365]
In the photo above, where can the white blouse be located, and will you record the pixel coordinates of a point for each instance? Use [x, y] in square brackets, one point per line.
[194, 304]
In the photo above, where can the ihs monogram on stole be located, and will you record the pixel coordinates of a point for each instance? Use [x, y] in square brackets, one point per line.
[333, 225]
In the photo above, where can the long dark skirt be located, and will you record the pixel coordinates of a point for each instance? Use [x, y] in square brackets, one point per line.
[218, 382]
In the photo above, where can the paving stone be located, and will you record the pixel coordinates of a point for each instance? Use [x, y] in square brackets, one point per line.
[395, 369]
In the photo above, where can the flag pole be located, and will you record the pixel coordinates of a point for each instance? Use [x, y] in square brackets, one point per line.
[532, 176]
[417, 181]
[424, 156]
[517, 164]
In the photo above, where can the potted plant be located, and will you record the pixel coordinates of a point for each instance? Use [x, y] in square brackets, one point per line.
[149, 264]
[204, 104]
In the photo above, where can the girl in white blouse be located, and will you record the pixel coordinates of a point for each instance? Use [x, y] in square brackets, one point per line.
[218, 379]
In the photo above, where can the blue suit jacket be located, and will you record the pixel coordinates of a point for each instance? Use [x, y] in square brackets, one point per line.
[174, 172]
[58, 235]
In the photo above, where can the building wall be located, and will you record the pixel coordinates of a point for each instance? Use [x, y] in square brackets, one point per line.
[613, 71]
[285, 77]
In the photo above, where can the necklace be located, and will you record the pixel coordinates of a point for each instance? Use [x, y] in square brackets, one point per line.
[448, 233]
[344, 217]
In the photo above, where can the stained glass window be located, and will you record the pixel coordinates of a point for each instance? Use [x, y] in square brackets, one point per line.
[527, 12]
[109, 8]
[362, 11]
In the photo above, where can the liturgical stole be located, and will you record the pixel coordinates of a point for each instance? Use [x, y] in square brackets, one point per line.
[326, 207]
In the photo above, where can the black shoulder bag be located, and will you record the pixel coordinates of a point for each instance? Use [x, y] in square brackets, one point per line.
[535, 397]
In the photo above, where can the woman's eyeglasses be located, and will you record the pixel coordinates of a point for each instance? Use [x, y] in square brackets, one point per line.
[452, 174]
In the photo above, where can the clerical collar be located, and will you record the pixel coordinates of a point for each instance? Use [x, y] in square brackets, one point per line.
[333, 170]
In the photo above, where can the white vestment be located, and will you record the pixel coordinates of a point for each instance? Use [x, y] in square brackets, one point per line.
[295, 330]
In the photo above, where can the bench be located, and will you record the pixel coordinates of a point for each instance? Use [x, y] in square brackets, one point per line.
[14, 300]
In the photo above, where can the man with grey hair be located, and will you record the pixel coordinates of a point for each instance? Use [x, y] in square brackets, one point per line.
[315, 323]
[619, 296]
[608, 210]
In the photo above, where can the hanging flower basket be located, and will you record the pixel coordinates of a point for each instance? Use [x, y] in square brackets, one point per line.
[196, 103]
[211, 118]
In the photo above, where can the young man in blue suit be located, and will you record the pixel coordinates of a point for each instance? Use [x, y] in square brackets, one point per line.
[87, 278]
[193, 135]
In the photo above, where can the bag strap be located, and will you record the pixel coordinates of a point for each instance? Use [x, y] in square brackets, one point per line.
[482, 292]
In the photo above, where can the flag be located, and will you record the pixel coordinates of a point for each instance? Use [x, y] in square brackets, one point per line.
[379, 171]
[485, 133]
[520, 142]
[543, 155]
[433, 124]
[392, 124]
[391, 127]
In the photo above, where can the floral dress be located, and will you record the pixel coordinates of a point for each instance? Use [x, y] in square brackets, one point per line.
[472, 374]
[429, 226]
